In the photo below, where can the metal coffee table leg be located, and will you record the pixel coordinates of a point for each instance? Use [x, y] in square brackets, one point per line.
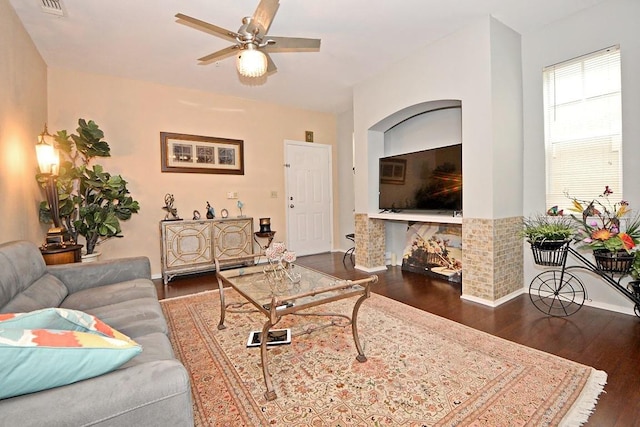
[222, 305]
[354, 326]
[270, 394]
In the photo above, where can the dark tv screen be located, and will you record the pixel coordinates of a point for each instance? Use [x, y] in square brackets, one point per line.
[428, 180]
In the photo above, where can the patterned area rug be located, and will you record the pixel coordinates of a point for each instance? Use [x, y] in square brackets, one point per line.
[422, 370]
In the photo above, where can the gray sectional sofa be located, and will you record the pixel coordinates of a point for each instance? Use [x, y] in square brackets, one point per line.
[152, 389]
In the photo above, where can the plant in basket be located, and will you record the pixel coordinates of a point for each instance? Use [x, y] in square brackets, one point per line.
[548, 232]
[634, 284]
[609, 229]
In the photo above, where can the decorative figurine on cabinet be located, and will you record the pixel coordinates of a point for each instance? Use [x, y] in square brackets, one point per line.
[211, 213]
[240, 206]
[171, 211]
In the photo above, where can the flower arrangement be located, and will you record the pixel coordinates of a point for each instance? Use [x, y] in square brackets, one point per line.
[278, 253]
[605, 225]
[281, 262]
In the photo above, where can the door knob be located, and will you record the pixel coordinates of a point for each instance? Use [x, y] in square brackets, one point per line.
[291, 205]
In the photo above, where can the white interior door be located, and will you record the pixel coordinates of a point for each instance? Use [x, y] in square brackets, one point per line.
[309, 197]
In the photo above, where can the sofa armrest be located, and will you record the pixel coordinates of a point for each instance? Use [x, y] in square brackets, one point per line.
[79, 276]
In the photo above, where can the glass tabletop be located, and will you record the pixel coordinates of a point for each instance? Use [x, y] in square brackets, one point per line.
[313, 287]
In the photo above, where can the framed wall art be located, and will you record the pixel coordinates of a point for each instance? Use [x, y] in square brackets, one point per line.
[201, 154]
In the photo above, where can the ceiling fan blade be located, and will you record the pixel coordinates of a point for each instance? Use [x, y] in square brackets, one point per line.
[289, 44]
[271, 66]
[206, 27]
[221, 54]
[264, 14]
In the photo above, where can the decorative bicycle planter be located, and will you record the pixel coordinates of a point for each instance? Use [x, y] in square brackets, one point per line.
[556, 292]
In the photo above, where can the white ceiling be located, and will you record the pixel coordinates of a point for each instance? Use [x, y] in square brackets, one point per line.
[141, 40]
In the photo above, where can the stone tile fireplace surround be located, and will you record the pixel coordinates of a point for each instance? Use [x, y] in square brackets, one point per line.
[492, 255]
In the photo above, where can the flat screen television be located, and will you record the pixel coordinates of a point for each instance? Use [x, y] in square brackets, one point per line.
[428, 180]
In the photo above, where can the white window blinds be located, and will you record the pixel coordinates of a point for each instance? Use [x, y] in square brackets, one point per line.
[583, 127]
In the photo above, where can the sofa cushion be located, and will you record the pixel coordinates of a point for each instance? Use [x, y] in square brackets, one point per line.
[21, 264]
[134, 318]
[54, 347]
[105, 295]
[47, 291]
[155, 346]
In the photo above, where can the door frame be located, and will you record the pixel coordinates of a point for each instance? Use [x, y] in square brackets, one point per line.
[326, 147]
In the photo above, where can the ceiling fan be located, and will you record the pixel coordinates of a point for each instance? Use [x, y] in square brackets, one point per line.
[252, 44]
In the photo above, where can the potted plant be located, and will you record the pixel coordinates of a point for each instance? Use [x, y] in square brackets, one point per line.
[608, 230]
[92, 201]
[548, 232]
[634, 284]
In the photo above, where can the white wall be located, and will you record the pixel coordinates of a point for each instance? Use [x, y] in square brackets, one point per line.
[607, 24]
[433, 129]
[457, 67]
[345, 197]
[23, 113]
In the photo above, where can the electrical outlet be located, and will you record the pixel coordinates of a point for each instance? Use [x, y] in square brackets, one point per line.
[274, 194]
[232, 195]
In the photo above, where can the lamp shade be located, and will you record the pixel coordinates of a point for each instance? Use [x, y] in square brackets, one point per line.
[44, 152]
[251, 62]
[48, 157]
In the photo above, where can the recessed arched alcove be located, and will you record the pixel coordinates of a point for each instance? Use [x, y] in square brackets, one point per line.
[422, 126]
[483, 239]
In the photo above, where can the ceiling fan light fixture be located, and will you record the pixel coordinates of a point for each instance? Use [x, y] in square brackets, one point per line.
[251, 62]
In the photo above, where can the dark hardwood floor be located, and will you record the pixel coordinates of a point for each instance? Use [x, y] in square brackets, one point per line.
[605, 340]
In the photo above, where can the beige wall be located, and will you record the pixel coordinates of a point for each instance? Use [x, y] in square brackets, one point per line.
[132, 114]
[23, 112]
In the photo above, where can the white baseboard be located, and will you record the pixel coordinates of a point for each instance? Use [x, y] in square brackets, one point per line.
[495, 303]
[371, 269]
[610, 307]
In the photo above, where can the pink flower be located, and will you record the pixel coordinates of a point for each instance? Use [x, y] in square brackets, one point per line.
[278, 248]
[289, 256]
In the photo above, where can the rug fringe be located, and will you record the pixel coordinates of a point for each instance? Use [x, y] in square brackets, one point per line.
[586, 402]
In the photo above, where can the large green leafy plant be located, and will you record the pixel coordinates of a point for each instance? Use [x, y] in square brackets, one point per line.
[92, 201]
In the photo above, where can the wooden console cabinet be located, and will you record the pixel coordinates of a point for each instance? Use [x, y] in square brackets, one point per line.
[190, 246]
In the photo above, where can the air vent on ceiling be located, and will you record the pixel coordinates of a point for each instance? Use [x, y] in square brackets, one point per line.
[53, 7]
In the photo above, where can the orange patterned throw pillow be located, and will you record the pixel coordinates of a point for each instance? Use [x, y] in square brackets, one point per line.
[54, 347]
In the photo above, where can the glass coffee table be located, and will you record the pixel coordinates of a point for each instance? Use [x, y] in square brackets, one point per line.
[277, 297]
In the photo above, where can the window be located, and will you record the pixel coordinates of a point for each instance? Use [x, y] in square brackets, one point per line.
[583, 127]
